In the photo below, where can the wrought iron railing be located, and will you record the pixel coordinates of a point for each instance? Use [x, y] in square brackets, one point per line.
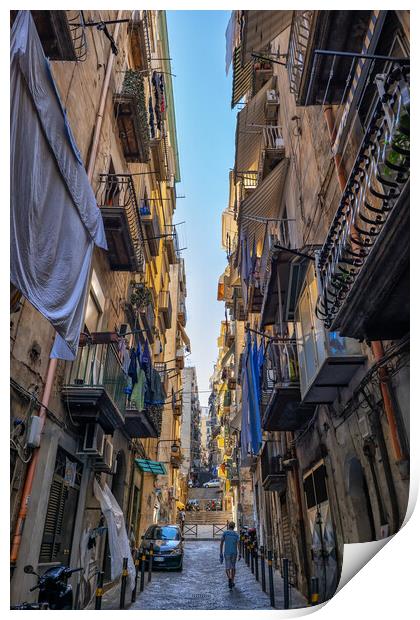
[78, 34]
[117, 190]
[277, 232]
[298, 44]
[99, 365]
[380, 172]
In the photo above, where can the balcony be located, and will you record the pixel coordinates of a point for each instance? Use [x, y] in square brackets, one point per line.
[309, 73]
[161, 368]
[147, 315]
[94, 387]
[117, 199]
[140, 44]
[139, 424]
[179, 359]
[132, 121]
[326, 360]
[182, 313]
[159, 158]
[62, 34]
[165, 308]
[280, 267]
[272, 152]
[172, 246]
[262, 71]
[282, 409]
[363, 266]
[152, 231]
[274, 478]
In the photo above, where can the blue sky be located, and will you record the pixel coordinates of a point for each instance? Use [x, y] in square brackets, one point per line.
[206, 139]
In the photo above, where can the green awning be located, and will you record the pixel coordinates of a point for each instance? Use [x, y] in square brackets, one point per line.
[150, 467]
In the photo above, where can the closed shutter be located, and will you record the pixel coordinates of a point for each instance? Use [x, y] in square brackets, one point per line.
[61, 513]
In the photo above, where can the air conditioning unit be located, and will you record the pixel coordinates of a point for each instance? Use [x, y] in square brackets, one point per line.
[93, 440]
[105, 462]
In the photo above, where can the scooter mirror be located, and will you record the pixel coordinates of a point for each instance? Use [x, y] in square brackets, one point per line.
[29, 569]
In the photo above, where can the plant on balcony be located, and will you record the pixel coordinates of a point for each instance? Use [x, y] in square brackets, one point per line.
[134, 85]
[141, 295]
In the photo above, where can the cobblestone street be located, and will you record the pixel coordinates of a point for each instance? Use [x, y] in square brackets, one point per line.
[203, 585]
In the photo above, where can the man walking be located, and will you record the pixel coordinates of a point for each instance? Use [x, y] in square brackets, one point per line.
[230, 540]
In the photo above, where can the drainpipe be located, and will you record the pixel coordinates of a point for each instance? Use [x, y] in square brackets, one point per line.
[52, 364]
[377, 348]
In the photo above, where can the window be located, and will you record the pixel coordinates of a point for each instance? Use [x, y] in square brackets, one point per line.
[61, 511]
[315, 487]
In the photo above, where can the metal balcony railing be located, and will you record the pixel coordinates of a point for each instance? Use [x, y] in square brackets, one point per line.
[379, 174]
[281, 366]
[116, 191]
[99, 365]
[298, 44]
[78, 34]
[277, 233]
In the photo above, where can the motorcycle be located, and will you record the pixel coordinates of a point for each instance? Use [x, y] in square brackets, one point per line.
[54, 591]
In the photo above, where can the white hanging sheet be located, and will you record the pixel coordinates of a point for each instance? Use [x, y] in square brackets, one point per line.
[119, 544]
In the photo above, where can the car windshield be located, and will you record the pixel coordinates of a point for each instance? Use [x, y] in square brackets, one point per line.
[162, 533]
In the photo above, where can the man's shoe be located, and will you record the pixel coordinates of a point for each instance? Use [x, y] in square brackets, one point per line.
[230, 584]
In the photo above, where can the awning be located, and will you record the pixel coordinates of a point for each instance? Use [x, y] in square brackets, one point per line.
[242, 77]
[180, 505]
[249, 128]
[260, 28]
[184, 336]
[264, 203]
[227, 355]
[150, 467]
[229, 229]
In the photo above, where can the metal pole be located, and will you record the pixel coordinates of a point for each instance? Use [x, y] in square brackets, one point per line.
[256, 561]
[134, 592]
[123, 583]
[143, 563]
[149, 579]
[314, 591]
[99, 590]
[263, 586]
[286, 583]
[251, 553]
[270, 577]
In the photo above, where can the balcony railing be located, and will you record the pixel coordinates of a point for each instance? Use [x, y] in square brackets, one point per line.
[376, 182]
[272, 474]
[131, 114]
[272, 150]
[62, 34]
[298, 43]
[152, 230]
[165, 307]
[182, 313]
[95, 386]
[116, 197]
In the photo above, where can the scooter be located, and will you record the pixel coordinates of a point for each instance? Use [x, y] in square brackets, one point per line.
[54, 591]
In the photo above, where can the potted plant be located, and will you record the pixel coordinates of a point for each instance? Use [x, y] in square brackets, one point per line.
[140, 296]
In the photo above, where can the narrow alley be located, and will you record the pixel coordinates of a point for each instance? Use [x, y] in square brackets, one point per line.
[209, 303]
[203, 585]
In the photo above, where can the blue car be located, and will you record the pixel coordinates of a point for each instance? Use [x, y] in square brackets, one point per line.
[168, 548]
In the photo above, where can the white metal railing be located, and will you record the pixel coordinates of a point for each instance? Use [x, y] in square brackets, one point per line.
[298, 43]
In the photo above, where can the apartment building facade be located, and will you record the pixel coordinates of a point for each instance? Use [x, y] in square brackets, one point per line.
[112, 413]
[316, 286]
